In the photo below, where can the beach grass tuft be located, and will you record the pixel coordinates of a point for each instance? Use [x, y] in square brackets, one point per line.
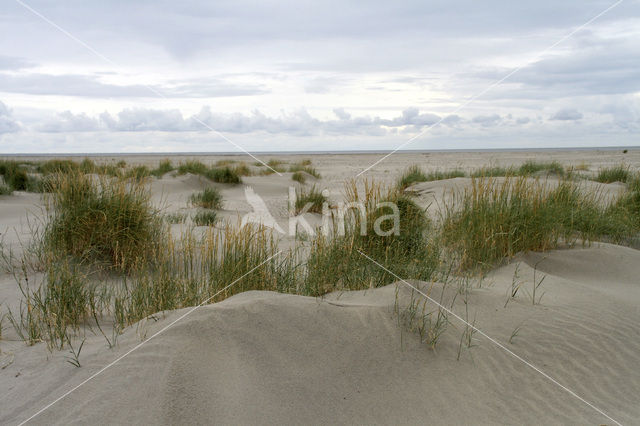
[103, 220]
[205, 218]
[304, 167]
[620, 173]
[14, 175]
[494, 220]
[299, 177]
[310, 200]
[164, 167]
[224, 174]
[336, 262]
[414, 174]
[209, 198]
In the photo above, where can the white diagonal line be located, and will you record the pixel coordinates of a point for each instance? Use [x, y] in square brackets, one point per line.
[488, 88]
[151, 89]
[111, 364]
[494, 341]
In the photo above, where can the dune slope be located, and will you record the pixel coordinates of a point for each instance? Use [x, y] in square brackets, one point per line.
[269, 358]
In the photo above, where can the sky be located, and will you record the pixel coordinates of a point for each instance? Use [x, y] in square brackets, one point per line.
[193, 75]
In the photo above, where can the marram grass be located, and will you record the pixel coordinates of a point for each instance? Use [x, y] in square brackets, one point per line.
[496, 219]
[208, 198]
[106, 220]
[97, 222]
[310, 200]
[414, 174]
[335, 261]
[620, 173]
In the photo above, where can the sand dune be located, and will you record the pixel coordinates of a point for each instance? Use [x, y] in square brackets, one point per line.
[262, 357]
[268, 358]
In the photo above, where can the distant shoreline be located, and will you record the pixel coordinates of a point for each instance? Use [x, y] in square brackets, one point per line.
[335, 152]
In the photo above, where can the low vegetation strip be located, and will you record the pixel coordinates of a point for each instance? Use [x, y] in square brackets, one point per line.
[414, 174]
[494, 220]
[108, 253]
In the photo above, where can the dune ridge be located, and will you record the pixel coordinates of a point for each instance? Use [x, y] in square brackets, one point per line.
[282, 359]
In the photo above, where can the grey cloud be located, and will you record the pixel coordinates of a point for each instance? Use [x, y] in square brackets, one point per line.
[68, 122]
[140, 120]
[341, 113]
[331, 35]
[593, 67]
[12, 63]
[625, 112]
[487, 120]
[69, 85]
[298, 122]
[211, 88]
[7, 123]
[91, 86]
[452, 120]
[324, 84]
[183, 28]
[411, 116]
[567, 114]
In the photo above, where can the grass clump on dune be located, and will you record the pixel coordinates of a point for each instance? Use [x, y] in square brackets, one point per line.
[526, 169]
[299, 177]
[176, 218]
[627, 208]
[239, 168]
[494, 171]
[87, 166]
[442, 175]
[223, 175]
[209, 198]
[164, 167]
[205, 218]
[137, 173]
[14, 175]
[531, 167]
[109, 221]
[60, 305]
[58, 166]
[273, 166]
[217, 174]
[414, 174]
[311, 200]
[242, 170]
[619, 173]
[108, 170]
[184, 271]
[495, 220]
[335, 261]
[193, 166]
[191, 270]
[304, 167]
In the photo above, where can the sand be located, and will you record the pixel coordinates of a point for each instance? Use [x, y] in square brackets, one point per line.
[268, 358]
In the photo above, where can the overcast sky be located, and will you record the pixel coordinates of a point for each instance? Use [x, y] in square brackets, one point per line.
[321, 75]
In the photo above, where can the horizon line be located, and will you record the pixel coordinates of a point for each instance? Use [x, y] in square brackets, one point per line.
[324, 152]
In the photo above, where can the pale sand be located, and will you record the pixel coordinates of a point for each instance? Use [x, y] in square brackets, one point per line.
[262, 357]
